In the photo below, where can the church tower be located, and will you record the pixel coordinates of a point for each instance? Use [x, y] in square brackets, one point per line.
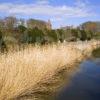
[49, 26]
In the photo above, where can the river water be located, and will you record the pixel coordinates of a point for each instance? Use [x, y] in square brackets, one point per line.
[85, 84]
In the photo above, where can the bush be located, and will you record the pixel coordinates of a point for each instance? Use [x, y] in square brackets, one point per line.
[21, 28]
[33, 36]
[2, 43]
[61, 35]
[96, 53]
[51, 34]
[83, 35]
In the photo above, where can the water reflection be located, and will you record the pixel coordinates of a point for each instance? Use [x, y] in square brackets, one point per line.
[85, 85]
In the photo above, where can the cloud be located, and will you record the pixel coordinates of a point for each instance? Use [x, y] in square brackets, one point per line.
[42, 2]
[43, 8]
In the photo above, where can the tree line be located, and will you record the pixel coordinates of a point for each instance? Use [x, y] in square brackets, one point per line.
[19, 31]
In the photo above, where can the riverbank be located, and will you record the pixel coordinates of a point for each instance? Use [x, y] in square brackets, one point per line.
[37, 72]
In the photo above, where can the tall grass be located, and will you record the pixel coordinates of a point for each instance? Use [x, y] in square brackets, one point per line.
[22, 72]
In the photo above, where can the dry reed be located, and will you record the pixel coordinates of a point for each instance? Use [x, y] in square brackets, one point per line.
[22, 71]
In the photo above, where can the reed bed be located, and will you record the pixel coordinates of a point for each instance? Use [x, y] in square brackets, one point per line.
[23, 72]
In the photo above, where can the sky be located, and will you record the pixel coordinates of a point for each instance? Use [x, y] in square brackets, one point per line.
[60, 12]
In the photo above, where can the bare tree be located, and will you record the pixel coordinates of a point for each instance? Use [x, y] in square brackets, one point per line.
[10, 22]
[1, 24]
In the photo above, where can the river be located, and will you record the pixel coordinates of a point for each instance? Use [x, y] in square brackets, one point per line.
[85, 84]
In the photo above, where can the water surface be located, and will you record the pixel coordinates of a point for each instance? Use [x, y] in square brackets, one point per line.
[85, 84]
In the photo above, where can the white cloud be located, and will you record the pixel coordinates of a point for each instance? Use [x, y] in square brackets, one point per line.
[42, 2]
[43, 7]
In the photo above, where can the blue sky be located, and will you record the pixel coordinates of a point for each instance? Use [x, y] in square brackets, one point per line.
[60, 12]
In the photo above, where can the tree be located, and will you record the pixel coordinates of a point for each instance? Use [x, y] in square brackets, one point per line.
[21, 28]
[1, 24]
[10, 22]
[83, 35]
[2, 43]
[89, 35]
[74, 33]
[33, 36]
[61, 35]
[89, 26]
[52, 35]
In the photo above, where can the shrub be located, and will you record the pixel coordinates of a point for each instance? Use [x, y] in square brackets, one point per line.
[33, 36]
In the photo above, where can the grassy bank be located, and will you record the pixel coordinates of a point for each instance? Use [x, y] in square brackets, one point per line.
[32, 72]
